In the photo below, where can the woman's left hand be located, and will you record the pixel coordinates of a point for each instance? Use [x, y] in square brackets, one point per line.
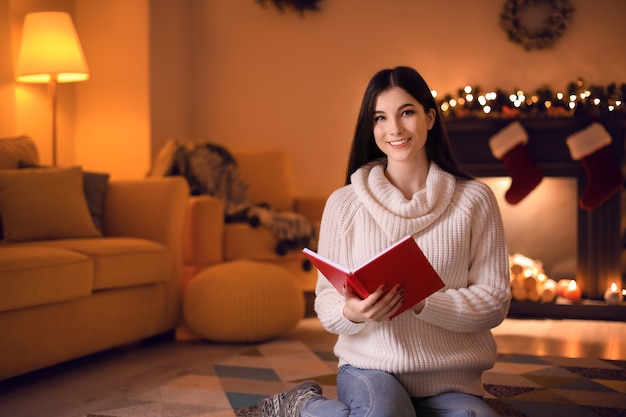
[378, 306]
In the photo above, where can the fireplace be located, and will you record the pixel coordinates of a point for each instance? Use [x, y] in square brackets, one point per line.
[598, 237]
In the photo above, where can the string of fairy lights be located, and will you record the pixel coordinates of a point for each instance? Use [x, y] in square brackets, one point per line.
[577, 99]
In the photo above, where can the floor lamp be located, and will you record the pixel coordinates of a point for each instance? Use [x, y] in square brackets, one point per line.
[51, 53]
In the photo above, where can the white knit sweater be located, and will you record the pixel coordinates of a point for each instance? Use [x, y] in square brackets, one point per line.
[457, 223]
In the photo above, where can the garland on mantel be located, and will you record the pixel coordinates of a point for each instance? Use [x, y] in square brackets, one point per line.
[578, 99]
[298, 5]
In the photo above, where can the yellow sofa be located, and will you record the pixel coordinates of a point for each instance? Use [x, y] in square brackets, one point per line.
[84, 291]
[268, 174]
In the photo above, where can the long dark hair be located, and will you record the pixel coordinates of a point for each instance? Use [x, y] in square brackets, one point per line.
[364, 148]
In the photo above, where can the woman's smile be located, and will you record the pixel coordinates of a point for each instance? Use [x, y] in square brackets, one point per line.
[398, 142]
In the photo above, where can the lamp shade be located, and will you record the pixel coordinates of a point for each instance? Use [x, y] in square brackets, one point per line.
[50, 50]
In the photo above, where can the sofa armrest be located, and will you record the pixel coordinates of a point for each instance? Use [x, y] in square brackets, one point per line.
[310, 207]
[203, 242]
[151, 208]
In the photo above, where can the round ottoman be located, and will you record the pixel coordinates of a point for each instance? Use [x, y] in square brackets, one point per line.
[243, 301]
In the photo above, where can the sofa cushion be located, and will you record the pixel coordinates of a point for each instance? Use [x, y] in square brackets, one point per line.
[33, 275]
[120, 261]
[241, 241]
[38, 203]
[94, 186]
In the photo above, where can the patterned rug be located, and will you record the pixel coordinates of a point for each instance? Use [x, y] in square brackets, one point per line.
[518, 385]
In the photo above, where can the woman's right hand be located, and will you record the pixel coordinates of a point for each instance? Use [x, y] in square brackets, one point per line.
[381, 305]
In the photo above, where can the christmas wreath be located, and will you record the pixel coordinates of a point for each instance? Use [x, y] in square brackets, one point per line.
[298, 5]
[558, 20]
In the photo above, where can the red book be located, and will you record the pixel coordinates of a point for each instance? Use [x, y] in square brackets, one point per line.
[403, 263]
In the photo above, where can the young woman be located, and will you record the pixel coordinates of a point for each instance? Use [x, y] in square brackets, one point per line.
[403, 180]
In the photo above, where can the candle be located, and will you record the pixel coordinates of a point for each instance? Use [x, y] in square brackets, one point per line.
[612, 296]
[572, 292]
[562, 286]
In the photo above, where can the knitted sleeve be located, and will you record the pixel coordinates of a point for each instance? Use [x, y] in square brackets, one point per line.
[333, 245]
[483, 303]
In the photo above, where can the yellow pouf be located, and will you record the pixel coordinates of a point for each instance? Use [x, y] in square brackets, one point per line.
[243, 301]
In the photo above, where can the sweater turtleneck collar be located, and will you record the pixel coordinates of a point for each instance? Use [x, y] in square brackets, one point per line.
[388, 207]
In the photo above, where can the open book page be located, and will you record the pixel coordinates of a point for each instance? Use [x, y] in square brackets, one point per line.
[403, 263]
[335, 273]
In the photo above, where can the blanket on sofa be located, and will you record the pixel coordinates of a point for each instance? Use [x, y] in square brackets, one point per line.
[210, 169]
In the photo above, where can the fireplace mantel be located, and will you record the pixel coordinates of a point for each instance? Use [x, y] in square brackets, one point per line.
[599, 243]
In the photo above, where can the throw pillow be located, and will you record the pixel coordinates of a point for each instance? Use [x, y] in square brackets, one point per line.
[17, 148]
[11, 150]
[95, 186]
[44, 203]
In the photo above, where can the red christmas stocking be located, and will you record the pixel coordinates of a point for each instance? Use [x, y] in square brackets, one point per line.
[509, 145]
[604, 177]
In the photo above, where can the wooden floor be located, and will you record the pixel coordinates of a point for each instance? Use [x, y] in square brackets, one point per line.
[88, 384]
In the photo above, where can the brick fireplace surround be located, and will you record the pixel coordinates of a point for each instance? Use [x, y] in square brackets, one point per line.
[599, 239]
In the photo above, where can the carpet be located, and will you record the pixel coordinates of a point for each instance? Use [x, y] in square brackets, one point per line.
[517, 386]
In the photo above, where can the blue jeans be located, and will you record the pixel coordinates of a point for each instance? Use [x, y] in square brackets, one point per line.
[371, 393]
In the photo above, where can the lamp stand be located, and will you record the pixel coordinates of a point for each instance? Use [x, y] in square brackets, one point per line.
[50, 52]
[52, 92]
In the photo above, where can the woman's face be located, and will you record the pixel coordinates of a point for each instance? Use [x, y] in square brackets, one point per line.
[401, 125]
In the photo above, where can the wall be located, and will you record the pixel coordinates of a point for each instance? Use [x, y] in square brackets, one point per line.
[265, 79]
[103, 123]
[113, 115]
[7, 94]
[245, 76]
[171, 85]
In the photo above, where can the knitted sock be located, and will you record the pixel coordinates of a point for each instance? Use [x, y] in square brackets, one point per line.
[509, 145]
[525, 176]
[297, 398]
[252, 411]
[604, 177]
[289, 403]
